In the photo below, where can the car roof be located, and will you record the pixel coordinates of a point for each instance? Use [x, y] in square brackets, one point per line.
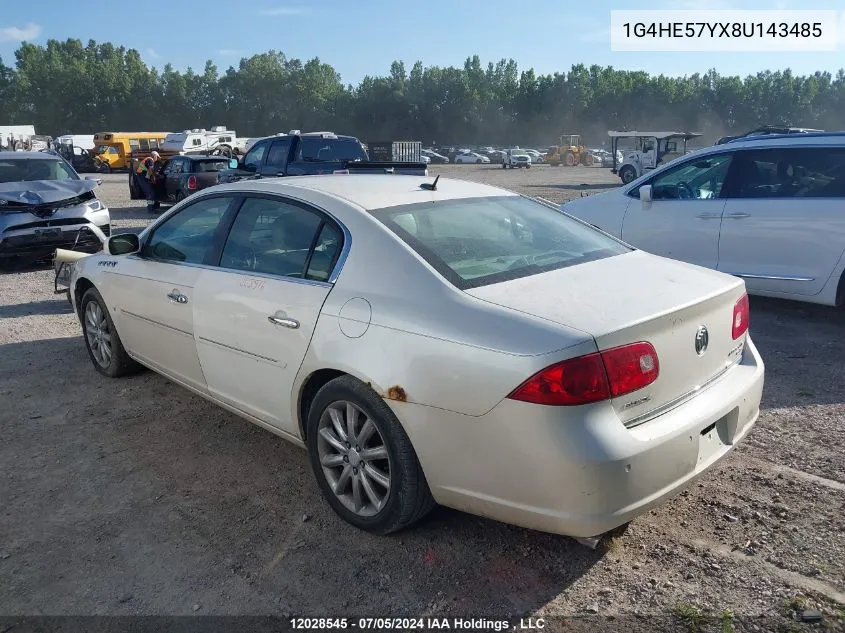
[784, 140]
[372, 191]
[30, 155]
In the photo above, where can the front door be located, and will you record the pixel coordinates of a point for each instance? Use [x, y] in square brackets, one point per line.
[153, 301]
[648, 155]
[683, 219]
[256, 313]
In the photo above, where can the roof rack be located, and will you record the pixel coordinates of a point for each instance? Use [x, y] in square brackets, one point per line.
[799, 135]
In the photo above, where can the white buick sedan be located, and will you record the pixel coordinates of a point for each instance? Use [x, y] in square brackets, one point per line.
[444, 342]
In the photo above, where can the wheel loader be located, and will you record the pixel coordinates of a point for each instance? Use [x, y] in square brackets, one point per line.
[569, 152]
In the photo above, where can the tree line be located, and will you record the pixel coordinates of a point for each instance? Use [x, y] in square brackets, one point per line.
[71, 87]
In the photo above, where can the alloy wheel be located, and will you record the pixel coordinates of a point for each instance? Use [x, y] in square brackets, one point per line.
[354, 458]
[98, 334]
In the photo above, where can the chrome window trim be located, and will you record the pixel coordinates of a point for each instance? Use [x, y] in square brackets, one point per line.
[333, 276]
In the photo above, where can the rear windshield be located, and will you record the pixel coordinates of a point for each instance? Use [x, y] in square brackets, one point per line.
[176, 139]
[480, 241]
[202, 166]
[29, 169]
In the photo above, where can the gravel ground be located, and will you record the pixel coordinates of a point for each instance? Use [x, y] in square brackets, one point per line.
[133, 496]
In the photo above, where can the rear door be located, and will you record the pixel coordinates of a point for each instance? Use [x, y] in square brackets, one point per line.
[783, 228]
[153, 299]
[256, 312]
[683, 219]
[173, 175]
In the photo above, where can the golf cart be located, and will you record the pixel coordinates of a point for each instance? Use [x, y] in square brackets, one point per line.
[651, 149]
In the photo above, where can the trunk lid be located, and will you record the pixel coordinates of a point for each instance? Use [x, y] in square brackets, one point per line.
[639, 297]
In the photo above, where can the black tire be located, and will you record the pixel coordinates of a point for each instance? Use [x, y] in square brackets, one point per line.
[504, 165]
[120, 364]
[627, 174]
[180, 196]
[528, 167]
[104, 168]
[409, 498]
[478, 162]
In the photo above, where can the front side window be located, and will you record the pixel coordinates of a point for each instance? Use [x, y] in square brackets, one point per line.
[700, 179]
[274, 237]
[816, 172]
[253, 157]
[189, 236]
[480, 241]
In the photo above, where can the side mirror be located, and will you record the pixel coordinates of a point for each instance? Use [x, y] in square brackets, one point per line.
[123, 244]
[645, 193]
[99, 181]
[233, 163]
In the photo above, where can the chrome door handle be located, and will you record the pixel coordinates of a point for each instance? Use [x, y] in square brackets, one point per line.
[177, 297]
[709, 216]
[291, 323]
[737, 216]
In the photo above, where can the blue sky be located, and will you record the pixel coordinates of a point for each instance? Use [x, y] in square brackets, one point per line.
[360, 38]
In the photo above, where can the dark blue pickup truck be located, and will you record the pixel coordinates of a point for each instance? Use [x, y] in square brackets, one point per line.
[308, 154]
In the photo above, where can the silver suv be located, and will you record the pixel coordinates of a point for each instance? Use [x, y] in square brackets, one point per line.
[44, 204]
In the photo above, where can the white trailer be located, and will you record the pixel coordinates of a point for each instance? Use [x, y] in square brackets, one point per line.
[12, 135]
[218, 141]
[651, 149]
[82, 141]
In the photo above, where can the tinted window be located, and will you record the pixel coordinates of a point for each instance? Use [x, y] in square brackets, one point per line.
[700, 179]
[254, 156]
[317, 149]
[278, 155]
[325, 253]
[790, 173]
[272, 237]
[479, 241]
[189, 235]
[202, 166]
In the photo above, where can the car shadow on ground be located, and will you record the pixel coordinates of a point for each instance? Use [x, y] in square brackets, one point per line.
[802, 346]
[42, 307]
[156, 484]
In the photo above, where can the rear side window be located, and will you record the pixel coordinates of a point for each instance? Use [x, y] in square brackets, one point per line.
[481, 241]
[806, 172]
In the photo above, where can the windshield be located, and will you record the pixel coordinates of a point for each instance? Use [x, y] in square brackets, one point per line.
[106, 149]
[29, 169]
[481, 241]
[317, 149]
[202, 166]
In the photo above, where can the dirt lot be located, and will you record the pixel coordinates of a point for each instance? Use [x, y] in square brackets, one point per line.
[134, 497]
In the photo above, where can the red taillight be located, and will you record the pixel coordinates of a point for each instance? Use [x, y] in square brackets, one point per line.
[630, 367]
[742, 313]
[192, 182]
[592, 378]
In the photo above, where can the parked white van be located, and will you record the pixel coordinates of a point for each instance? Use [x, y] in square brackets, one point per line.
[769, 209]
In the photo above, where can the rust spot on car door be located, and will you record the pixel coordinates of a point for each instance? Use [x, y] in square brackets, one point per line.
[397, 392]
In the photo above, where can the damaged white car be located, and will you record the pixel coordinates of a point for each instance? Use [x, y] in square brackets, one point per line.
[45, 205]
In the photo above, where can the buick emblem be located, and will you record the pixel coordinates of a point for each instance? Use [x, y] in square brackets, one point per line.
[702, 338]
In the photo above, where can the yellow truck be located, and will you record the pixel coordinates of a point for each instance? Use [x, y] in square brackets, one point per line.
[113, 150]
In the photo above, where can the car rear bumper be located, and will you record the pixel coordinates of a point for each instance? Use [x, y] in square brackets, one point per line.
[580, 473]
